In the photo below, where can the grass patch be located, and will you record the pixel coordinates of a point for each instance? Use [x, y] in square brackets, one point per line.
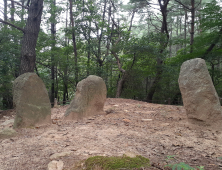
[115, 163]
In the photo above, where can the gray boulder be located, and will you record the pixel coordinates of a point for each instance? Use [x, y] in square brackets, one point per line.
[31, 100]
[200, 98]
[89, 99]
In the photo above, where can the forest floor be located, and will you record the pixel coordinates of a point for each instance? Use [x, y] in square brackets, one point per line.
[158, 132]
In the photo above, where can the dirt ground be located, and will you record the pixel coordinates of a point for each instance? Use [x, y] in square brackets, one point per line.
[159, 132]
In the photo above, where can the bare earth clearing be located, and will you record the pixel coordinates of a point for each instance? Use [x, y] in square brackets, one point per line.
[151, 130]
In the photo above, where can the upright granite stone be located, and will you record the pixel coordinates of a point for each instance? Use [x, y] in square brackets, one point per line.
[89, 99]
[200, 98]
[31, 100]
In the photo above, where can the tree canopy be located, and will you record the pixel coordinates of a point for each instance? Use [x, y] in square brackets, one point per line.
[136, 47]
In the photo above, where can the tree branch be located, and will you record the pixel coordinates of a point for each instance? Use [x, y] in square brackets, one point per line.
[118, 62]
[28, 2]
[183, 5]
[210, 48]
[198, 4]
[5, 22]
[26, 7]
[131, 21]
[153, 24]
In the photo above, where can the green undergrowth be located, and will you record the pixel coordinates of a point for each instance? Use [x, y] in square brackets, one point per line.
[184, 166]
[181, 165]
[115, 163]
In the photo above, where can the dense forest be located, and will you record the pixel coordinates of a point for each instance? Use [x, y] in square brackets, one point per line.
[137, 47]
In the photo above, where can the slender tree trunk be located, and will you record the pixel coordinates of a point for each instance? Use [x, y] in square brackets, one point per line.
[65, 85]
[53, 38]
[153, 87]
[31, 31]
[164, 31]
[192, 25]
[5, 10]
[65, 78]
[124, 72]
[120, 85]
[15, 40]
[23, 10]
[74, 43]
[57, 83]
[12, 11]
[171, 34]
[185, 29]
[177, 33]
[89, 49]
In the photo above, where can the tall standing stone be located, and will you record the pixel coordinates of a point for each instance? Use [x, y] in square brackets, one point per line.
[89, 99]
[200, 98]
[31, 100]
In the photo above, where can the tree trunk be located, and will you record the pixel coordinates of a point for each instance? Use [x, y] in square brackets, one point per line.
[5, 10]
[185, 29]
[53, 35]
[12, 11]
[65, 78]
[177, 33]
[74, 43]
[56, 83]
[155, 82]
[99, 60]
[23, 10]
[192, 25]
[120, 85]
[65, 86]
[31, 31]
[164, 30]
[15, 40]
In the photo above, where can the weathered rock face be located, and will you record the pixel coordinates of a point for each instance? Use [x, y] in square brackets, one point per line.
[89, 99]
[31, 100]
[200, 98]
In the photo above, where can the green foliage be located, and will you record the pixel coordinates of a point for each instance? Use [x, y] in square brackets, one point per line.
[183, 166]
[97, 29]
[170, 157]
[211, 17]
[114, 163]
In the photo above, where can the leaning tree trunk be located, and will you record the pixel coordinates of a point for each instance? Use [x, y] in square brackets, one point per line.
[31, 31]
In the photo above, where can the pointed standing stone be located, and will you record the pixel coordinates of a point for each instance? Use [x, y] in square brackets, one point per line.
[31, 100]
[200, 98]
